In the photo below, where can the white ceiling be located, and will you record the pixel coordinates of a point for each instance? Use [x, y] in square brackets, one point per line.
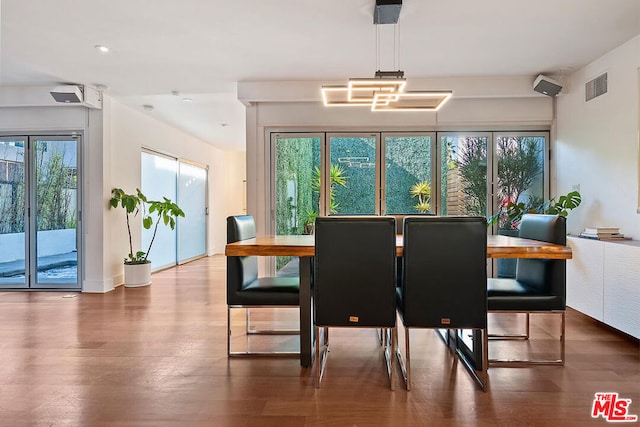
[202, 48]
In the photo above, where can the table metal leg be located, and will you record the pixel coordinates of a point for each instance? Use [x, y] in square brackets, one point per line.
[306, 314]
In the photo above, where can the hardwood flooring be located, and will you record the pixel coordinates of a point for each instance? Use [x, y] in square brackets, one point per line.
[156, 356]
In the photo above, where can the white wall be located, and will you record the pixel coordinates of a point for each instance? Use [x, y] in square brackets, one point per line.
[597, 143]
[131, 130]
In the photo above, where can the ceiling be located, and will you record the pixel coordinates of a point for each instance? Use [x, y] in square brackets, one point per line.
[202, 48]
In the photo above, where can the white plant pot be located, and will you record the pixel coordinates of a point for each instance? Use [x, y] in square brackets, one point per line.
[137, 275]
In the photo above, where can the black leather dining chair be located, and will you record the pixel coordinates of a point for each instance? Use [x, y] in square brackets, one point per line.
[444, 281]
[246, 290]
[354, 281]
[539, 286]
[400, 230]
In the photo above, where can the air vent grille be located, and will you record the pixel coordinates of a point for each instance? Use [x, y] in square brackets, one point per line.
[596, 87]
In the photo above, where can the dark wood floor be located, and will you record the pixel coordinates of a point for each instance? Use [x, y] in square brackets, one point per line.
[156, 356]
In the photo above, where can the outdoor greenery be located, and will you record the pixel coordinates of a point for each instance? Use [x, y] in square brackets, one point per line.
[407, 174]
[422, 190]
[296, 206]
[337, 177]
[12, 200]
[408, 161]
[56, 187]
[53, 195]
[514, 211]
[165, 210]
[472, 163]
[296, 161]
[519, 171]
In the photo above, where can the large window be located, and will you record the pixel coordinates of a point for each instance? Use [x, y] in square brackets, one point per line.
[463, 174]
[353, 177]
[446, 173]
[296, 188]
[192, 199]
[408, 173]
[186, 184]
[520, 174]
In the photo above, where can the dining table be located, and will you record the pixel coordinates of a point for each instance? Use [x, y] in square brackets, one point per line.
[303, 246]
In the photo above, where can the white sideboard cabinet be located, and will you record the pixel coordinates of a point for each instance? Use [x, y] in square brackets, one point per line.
[603, 281]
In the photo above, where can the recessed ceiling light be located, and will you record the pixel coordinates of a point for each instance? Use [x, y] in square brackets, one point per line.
[224, 125]
[187, 100]
[102, 49]
[148, 107]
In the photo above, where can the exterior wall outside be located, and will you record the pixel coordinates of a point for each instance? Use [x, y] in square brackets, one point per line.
[50, 242]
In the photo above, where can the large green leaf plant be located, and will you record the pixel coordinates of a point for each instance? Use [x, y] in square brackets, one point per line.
[164, 211]
[512, 212]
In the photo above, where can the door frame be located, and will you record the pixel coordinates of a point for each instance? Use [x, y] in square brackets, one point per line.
[31, 282]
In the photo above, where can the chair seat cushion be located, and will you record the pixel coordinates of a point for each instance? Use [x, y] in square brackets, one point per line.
[268, 291]
[510, 294]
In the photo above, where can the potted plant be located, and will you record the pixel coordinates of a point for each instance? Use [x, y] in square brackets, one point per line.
[137, 266]
[510, 214]
[310, 216]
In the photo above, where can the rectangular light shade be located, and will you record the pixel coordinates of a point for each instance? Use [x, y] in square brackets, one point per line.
[412, 101]
[366, 89]
[338, 96]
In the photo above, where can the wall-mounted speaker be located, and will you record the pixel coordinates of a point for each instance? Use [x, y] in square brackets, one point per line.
[71, 94]
[546, 86]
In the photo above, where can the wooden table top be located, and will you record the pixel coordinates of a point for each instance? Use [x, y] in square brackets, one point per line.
[497, 247]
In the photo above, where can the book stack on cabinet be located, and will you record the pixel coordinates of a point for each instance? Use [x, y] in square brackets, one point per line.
[603, 233]
[603, 281]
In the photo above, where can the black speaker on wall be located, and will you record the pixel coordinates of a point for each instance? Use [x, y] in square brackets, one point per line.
[546, 86]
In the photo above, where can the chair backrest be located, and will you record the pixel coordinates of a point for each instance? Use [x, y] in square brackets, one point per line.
[547, 276]
[445, 272]
[400, 220]
[241, 270]
[355, 271]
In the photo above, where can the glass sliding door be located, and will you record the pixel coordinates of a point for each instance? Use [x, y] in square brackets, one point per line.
[159, 179]
[353, 170]
[296, 187]
[39, 212]
[55, 176]
[520, 177]
[520, 183]
[192, 199]
[463, 173]
[408, 173]
[185, 183]
[13, 232]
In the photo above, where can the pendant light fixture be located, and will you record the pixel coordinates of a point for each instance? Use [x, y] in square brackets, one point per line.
[386, 90]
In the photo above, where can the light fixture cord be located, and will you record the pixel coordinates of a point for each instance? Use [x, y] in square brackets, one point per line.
[377, 47]
[396, 46]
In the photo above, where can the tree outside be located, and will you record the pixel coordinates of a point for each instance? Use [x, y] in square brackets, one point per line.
[520, 176]
[56, 187]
